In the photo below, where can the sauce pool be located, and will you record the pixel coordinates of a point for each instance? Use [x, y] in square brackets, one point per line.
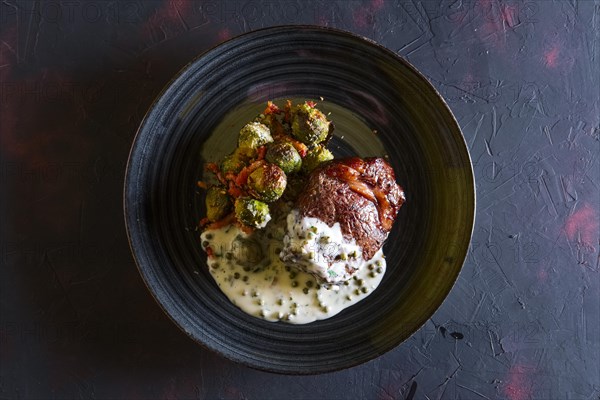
[248, 270]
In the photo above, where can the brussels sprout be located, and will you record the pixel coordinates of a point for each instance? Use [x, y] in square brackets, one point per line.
[247, 251]
[285, 156]
[237, 160]
[217, 203]
[267, 182]
[254, 134]
[309, 125]
[314, 157]
[252, 212]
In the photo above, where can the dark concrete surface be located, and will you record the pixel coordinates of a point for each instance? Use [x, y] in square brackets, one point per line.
[523, 80]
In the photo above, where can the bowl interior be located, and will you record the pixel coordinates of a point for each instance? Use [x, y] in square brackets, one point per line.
[381, 106]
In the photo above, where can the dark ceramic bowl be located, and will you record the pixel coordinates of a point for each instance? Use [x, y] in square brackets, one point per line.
[366, 88]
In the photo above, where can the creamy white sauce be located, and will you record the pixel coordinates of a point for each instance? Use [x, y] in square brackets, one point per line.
[249, 271]
[320, 249]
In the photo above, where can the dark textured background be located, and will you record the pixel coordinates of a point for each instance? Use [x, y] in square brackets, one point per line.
[523, 80]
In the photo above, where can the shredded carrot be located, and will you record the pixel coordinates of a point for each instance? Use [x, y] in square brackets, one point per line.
[288, 111]
[234, 191]
[245, 228]
[202, 185]
[261, 152]
[229, 219]
[214, 168]
[203, 222]
[242, 177]
[230, 176]
[271, 109]
[300, 147]
[311, 104]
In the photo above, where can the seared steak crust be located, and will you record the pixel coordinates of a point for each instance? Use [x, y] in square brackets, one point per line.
[361, 194]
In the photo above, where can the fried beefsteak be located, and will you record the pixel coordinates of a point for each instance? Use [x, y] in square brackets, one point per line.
[360, 194]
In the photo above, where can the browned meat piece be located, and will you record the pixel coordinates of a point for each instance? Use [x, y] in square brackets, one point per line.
[361, 194]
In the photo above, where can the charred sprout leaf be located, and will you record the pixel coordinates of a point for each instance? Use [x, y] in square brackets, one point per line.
[254, 135]
[267, 182]
[314, 157]
[285, 156]
[237, 160]
[309, 125]
[217, 203]
[252, 212]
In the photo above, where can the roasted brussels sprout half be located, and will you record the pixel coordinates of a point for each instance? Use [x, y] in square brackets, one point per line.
[237, 160]
[254, 135]
[314, 157]
[267, 182]
[247, 251]
[309, 125]
[217, 203]
[285, 156]
[252, 212]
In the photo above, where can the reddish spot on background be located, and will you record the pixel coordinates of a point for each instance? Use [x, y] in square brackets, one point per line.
[168, 15]
[224, 34]
[542, 274]
[377, 5]
[364, 16]
[551, 56]
[583, 225]
[518, 385]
